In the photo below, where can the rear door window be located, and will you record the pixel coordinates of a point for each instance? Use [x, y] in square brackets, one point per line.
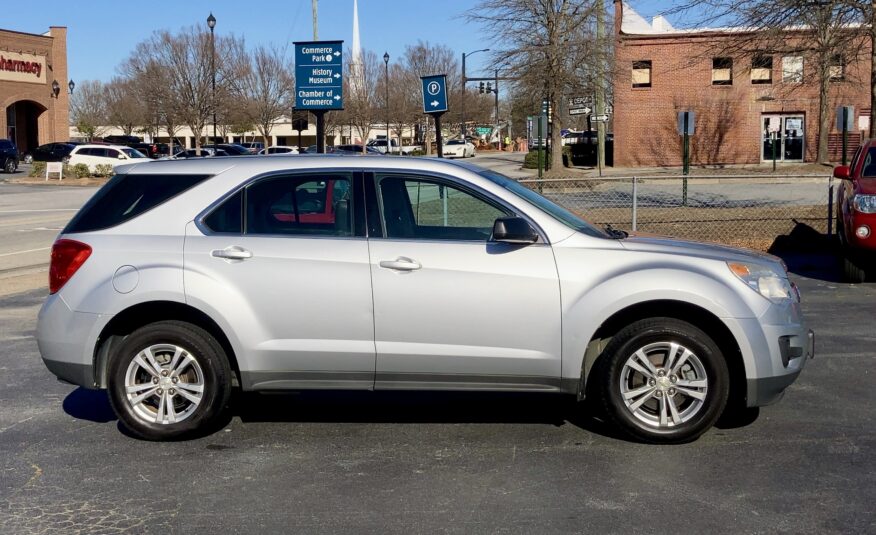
[126, 196]
[300, 204]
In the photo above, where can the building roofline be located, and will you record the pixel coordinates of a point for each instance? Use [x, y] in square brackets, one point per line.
[46, 35]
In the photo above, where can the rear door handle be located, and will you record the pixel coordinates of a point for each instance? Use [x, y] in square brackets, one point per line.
[401, 264]
[233, 252]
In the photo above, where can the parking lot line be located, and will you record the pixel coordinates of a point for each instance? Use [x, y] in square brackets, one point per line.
[25, 251]
[39, 210]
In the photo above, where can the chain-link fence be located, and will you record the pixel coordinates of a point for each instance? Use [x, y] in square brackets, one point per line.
[740, 210]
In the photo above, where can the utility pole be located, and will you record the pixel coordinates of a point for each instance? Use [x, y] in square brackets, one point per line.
[315, 25]
[496, 91]
[600, 85]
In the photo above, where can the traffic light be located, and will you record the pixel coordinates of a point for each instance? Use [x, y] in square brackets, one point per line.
[481, 87]
[489, 87]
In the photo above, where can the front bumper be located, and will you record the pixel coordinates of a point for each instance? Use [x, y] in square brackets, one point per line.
[66, 341]
[783, 353]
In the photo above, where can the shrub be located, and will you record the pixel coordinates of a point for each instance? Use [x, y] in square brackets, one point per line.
[417, 152]
[80, 170]
[530, 161]
[38, 169]
[103, 169]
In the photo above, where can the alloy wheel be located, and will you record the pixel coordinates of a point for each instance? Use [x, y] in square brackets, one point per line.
[164, 384]
[663, 385]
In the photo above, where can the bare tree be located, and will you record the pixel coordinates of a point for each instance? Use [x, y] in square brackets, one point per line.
[88, 108]
[265, 84]
[361, 102]
[184, 59]
[542, 44]
[125, 109]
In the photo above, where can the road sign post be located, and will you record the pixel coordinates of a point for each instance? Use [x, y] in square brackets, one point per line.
[844, 117]
[299, 124]
[541, 147]
[319, 81]
[685, 128]
[435, 103]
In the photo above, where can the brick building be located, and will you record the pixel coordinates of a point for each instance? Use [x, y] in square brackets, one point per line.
[31, 111]
[739, 99]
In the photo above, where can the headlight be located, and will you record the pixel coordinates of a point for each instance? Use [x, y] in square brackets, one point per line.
[864, 203]
[773, 285]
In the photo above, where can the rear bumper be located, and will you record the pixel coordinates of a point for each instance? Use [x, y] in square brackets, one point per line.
[66, 341]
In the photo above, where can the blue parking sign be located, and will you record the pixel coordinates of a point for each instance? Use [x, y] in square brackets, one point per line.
[434, 93]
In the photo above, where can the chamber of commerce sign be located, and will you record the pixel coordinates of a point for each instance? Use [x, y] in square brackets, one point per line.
[17, 67]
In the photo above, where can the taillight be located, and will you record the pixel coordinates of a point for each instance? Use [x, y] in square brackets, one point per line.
[67, 257]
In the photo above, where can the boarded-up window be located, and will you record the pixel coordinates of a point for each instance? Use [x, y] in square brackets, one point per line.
[792, 69]
[642, 73]
[837, 69]
[762, 69]
[722, 71]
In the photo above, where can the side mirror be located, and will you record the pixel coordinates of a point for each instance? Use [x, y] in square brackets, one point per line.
[121, 157]
[841, 171]
[513, 230]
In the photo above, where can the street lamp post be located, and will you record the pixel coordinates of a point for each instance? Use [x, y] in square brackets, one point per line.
[71, 86]
[211, 22]
[464, 55]
[386, 80]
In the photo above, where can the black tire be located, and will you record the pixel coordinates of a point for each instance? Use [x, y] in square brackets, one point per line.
[10, 166]
[853, 268]
[608, 374]
[28, 159]
[215, 371]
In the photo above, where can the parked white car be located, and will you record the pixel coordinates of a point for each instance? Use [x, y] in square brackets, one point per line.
[279, 149]
[458, 148]
[380, 146]
[180, 280]
[94, 155]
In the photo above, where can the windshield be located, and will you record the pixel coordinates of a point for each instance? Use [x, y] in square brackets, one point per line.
[545, 205]
[133, 153]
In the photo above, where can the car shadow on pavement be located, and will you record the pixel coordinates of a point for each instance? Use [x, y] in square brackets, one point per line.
[809, 253]
[91, 405]
[418, 408]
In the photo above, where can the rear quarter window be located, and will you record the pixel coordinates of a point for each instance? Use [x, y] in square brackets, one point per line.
[127, 196]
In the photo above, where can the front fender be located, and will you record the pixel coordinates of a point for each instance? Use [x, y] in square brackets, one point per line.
[590, 297]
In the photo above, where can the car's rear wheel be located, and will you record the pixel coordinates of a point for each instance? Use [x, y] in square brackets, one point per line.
[169, 380]
[28, 159]
[662, 380]
[10, 166]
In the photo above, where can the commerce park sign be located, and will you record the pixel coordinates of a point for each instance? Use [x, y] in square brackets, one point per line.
[319, 75]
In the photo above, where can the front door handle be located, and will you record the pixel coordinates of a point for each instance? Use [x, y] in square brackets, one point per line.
[401, 264]
[233, 252]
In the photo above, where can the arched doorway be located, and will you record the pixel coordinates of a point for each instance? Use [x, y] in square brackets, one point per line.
[22, 124]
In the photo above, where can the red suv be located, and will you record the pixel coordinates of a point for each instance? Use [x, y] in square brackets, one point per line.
[856, 213]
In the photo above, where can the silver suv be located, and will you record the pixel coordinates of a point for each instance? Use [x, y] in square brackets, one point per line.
[181, 280]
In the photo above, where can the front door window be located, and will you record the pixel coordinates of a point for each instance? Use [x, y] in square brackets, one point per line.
[785, 135]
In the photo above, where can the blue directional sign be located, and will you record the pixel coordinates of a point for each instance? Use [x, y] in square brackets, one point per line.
[319, 75]
[434, 93]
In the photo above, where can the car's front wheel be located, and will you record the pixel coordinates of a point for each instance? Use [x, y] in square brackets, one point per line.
[10, 165]
[662, 380]
[28, 159]
[169, 380]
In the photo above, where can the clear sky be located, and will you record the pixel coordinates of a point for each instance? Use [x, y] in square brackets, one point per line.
[102, 33]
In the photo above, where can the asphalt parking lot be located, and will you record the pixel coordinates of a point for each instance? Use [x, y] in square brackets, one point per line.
[379, 462]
